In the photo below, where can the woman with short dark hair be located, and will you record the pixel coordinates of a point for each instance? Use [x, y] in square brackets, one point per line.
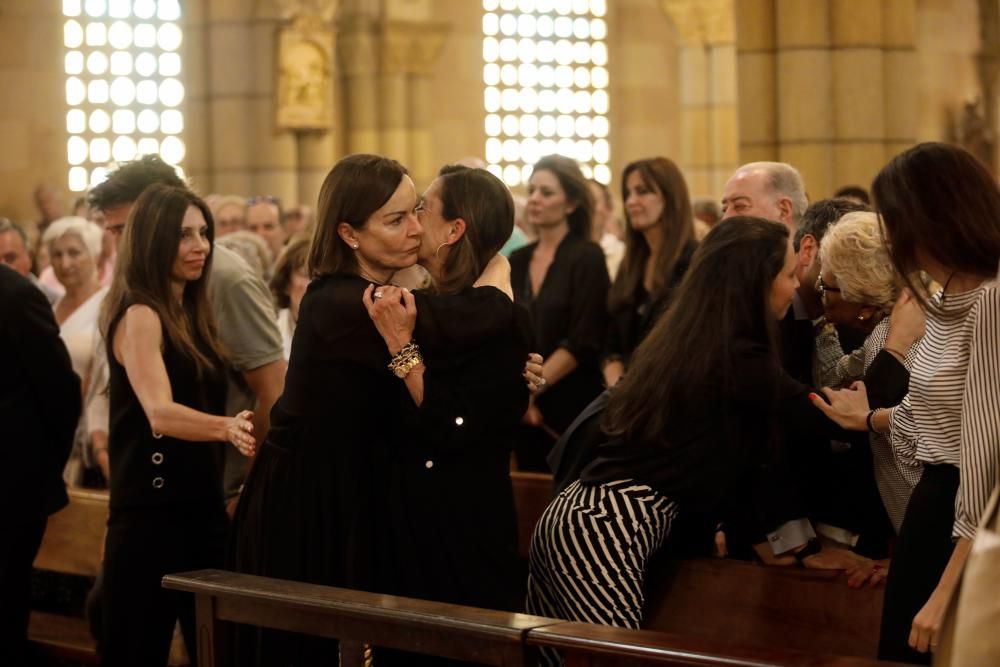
[167, 384]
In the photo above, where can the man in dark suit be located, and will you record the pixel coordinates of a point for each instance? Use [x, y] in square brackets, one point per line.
[39, 408]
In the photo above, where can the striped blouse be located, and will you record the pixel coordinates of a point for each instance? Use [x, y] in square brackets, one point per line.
[952, 413]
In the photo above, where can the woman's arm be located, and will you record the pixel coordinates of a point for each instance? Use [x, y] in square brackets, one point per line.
[927, 622]
[137, 344]
[394, 312]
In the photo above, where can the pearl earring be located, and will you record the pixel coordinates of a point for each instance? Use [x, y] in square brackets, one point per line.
[355, 246]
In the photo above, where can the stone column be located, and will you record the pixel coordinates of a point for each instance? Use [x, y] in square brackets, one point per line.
[428, 38]
[805, 89]
[826, 85]
[394, 105]
[273, 152]
[708, 91]
[756, 60]
[858, 76]
[358, 57]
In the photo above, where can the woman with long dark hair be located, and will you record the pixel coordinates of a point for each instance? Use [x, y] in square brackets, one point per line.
[562, 280]
[940, 210]
[704, 403]
[167, 384]
[659, 242]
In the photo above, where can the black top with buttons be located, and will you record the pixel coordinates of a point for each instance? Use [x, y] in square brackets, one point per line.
[152, 471]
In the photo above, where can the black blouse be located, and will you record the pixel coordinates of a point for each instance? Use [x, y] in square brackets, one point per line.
[629, 323]
[569, 311]
[713, 447]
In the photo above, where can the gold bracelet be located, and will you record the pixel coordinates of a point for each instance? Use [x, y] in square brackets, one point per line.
[406, 360]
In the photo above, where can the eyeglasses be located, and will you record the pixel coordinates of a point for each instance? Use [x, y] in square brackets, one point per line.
[264, 199]
[823, 288]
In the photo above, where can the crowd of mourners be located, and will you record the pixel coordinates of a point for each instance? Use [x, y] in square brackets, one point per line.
[337, 394]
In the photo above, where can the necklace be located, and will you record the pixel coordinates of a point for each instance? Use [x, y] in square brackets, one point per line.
[370, 279]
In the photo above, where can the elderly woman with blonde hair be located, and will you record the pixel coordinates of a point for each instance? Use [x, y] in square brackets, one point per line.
[859, 290]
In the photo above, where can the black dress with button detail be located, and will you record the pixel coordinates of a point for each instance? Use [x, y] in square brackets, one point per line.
[166, 511]
[455, 526]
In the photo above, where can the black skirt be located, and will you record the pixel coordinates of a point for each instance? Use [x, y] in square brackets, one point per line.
[922, 553]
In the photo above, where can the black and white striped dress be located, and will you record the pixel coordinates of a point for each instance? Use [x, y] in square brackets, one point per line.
[950, 424]
[589, 552]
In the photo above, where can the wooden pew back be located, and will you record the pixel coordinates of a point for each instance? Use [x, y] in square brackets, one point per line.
[532, 494]
[74, 536]
[354, 617]
[810, 610]
[488, 637]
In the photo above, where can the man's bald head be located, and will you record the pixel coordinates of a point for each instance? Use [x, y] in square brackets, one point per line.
[772, 190]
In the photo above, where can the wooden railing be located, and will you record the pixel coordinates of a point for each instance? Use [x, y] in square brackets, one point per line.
[488, 637]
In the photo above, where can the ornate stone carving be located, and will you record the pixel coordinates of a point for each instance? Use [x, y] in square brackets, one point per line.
[305, 64]
[702, 21]
[412, 47]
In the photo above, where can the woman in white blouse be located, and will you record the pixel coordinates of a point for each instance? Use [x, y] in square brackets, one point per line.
[940, 209]
[74, 247]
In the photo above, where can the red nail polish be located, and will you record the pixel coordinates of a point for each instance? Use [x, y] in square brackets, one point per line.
[812, 396]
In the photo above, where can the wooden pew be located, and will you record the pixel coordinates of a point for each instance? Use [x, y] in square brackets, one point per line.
[532, 494]
[753, 605]
[72, 545]
[810, 610]
[489, 637]
[355, 618]
[586, 645]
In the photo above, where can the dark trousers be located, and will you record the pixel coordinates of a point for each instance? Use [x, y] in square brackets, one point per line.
[18, 547]
[922, 552]
[142, 546]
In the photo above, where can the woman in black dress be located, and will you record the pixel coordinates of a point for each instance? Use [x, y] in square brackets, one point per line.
[659, 242]
[562, 280]
[319, 504]
[456, 533]
[167, 383]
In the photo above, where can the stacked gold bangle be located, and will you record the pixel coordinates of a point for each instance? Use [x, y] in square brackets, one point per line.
[406, 360]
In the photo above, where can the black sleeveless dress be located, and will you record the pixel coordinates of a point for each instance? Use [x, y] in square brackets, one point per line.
[166, 511]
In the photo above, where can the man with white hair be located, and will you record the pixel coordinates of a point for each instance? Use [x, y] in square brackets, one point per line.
[771, 190]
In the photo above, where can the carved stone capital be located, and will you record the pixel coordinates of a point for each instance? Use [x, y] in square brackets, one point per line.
[412, 47]
[702, 21]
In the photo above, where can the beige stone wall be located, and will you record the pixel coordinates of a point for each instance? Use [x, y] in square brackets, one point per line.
[33, 112]
[947, 37]
[835, 86]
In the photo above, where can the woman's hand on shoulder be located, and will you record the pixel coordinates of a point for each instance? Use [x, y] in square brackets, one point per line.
[394, 312]
[239, 433]
[848, 407]
[496, 274]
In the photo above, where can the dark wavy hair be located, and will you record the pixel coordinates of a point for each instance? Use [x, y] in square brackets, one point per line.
[357, 186]
[485, 204]
[577, 191]
[724, 297]
[677, 225]
[940, 201]
[144, 272]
